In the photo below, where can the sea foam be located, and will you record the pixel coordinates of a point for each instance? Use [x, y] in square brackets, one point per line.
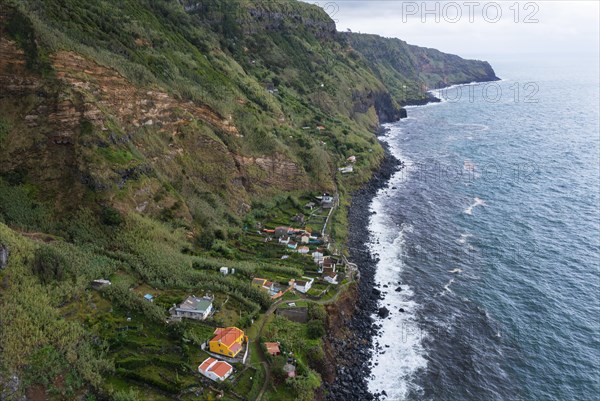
[398, 352]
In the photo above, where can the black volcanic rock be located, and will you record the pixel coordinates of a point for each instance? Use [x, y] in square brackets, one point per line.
[361, 323]
[383, 312]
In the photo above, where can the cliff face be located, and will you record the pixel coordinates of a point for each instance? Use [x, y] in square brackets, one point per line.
[410, 71]
[204, 96]
[252, 17]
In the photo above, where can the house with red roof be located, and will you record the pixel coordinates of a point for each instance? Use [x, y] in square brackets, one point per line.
[215, 370]
[273, 348]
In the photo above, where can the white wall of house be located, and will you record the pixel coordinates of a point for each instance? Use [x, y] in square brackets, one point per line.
[198, 315]
[304, 288]
[212, 376]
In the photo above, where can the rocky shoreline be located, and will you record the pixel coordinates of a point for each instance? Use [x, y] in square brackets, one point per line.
[351, 354]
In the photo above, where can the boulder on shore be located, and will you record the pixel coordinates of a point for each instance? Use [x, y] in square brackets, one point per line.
[383, 312]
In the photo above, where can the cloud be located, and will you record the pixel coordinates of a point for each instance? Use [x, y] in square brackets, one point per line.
[473, 28]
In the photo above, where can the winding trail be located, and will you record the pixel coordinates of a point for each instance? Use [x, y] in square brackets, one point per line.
[260, 351]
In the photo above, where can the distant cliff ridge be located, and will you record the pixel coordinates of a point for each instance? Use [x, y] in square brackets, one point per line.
[410, 71]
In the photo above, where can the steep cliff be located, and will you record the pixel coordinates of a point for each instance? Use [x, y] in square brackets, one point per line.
[171, 99]
[410, 71]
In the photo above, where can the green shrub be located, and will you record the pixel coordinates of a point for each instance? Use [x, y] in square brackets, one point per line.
[315, 329]
[304, 386]
[44, 366]
[110, 216]
[19, 207]
[49, 265]
[316, 312]
[124, 395]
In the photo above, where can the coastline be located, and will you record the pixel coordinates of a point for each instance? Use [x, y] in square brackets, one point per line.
[351, 325]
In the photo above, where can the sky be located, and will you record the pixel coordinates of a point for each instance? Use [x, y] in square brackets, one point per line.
[478, 29]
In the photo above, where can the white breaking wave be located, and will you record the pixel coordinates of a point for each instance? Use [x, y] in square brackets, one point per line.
[447, 288]
[477, 202]
[455, 271]
[472, 127]
[444, 95]
[464, 238]
[398, 351]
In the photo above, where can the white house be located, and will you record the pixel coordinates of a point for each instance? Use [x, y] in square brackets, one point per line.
[215, 370]
[303, 285]
[317, 257]
[346, 170]
[284, 240]
[224, 270]
[193, 308]
[331, 277]
[305, 239]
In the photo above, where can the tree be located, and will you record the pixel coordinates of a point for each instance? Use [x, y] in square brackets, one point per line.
[315, 329]
[304, 386]
[110, 216]
[49, 264]
[316, 312]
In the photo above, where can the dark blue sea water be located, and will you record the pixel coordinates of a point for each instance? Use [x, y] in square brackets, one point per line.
[493, 231]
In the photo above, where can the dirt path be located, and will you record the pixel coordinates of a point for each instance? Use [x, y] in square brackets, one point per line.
[261, 353]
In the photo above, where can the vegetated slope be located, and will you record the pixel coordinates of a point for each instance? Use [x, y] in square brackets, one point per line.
[410, 71]
[136, 139]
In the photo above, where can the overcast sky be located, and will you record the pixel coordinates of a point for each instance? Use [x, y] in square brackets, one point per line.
[475, 29]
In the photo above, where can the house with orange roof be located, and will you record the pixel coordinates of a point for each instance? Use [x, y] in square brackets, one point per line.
[227, 341]
[215, 370]
[273, 348]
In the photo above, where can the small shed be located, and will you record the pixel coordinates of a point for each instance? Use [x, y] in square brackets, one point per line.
[289, 369]
[273, 348]
[100, 283]
[149, 297]
[224, 270]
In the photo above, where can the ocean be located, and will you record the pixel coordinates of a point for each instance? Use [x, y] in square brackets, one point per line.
[488, 241]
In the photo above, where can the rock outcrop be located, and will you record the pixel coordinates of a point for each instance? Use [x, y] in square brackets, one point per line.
[4, 254]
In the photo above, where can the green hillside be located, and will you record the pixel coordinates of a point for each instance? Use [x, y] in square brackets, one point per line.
[410, 71]
[148, 142]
